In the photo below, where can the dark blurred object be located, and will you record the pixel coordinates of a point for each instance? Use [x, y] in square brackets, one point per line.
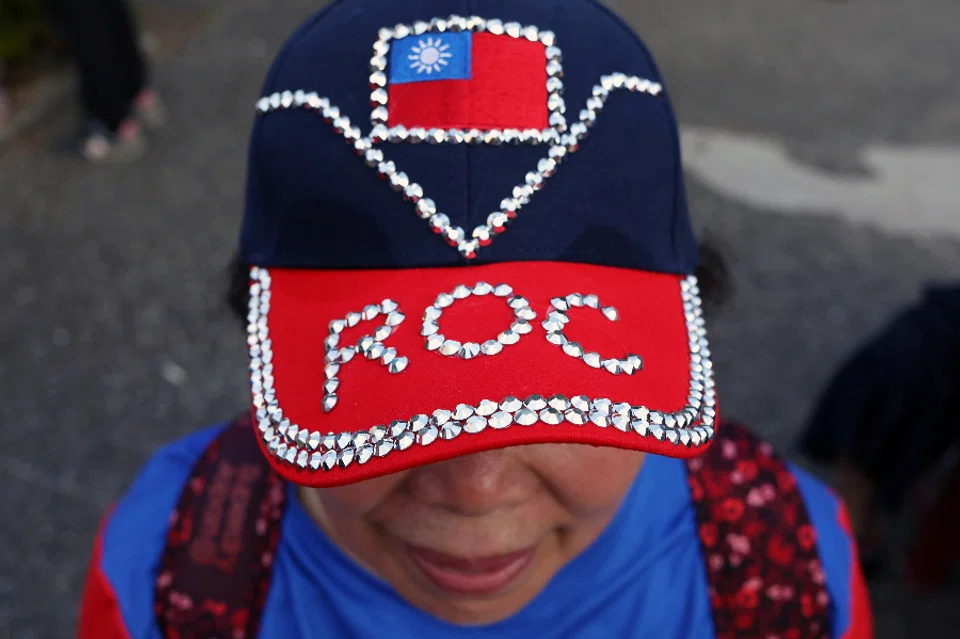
[889, 415]
[23, 27]
[116, 95]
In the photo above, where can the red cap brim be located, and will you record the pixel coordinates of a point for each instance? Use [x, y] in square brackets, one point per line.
[399, 401]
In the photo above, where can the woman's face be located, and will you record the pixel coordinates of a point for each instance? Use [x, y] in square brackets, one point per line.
[473, 539]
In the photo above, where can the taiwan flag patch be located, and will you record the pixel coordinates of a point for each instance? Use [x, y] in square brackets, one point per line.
[466, 80]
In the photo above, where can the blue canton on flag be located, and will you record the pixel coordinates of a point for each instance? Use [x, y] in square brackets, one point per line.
[431, 56]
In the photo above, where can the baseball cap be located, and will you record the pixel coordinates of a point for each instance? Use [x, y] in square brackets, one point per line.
[468, 232]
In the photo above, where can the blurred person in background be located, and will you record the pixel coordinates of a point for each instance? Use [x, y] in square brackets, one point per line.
[889, 414]
[554, 467]
[117, 97]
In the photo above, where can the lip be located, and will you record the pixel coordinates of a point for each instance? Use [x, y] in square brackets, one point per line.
[471, 576]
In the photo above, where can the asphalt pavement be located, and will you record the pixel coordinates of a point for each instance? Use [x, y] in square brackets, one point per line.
[114, 338]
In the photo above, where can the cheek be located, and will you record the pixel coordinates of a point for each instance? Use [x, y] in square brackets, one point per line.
[355, 501]
[586, 479]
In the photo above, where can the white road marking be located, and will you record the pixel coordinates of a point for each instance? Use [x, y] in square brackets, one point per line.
[912, 190]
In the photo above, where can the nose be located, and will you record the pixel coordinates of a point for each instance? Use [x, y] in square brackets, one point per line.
[475, 484]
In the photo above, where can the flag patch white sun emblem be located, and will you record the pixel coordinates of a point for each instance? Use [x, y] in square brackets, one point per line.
[429, 56]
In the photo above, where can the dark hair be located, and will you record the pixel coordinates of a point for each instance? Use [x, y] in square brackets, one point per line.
[712, 274]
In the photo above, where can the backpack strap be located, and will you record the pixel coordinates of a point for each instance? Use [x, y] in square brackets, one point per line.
[216, 568]
[763, 570]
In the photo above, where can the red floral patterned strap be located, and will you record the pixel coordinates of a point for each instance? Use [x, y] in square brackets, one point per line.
[765, 576]
[215, 571]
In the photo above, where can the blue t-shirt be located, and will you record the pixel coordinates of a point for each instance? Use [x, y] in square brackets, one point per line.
[644, 577]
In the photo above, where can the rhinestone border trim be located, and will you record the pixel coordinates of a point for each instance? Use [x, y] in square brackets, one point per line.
[379, 96]
[560, 146]
[298, 447]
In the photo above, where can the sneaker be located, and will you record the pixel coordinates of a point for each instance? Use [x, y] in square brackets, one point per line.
[99, 144]
[149, 109]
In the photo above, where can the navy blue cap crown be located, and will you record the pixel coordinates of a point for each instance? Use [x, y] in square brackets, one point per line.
[593, 175]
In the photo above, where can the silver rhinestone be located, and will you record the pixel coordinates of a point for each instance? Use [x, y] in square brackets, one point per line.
[640, 426]
[398, 365]
[432, 314]
[493, 138]
[655, 417]
[475, 424]
[600, 418]
[377, 434]
[416, 135]
[396, 427]
[329, 402]
[450, 348]
[657, 431]
[535, 402]
[365, 453]
[344, 440]
[574, 300]
[610, 313]
[602, 404]
[329, 460]
[426, 208]
[636, 361]
[551, 416]
[429, 328]
[500, 420]
[521, 327]
[517, 302]
[495, 27]
[669, 421]
[441, 417]
[413, 191]
[353, 319]
[360, 438]
[547, 38]
[508, 337]
[439, 222]
[330, 386]
[382, 449]
[503, 290]
[434, 342]
[591, 301]
[420, 27]
[560, 304]
[559, 402]
[557, 337]
[428, 435]
[345, 457]
[551, 325]
[486, 408]
[274, 445]
[576, 416]
[626, 366]
[673, 436]
[620, 408]
[435, 136]
[337, 326]
[329, 441]
[511, 404]
[366, 343]
[525, 313]
[694, 437]
[405, 440]
[394, 318]
[469, 350]
[373, 157]
[525, 417]
[461, 292]
[451, 430]
[444, 300]
[462, 412]
[316, 460]
[612, 366]
[573, 349]
[581, 402]
[419, 422]
[592, 359]
[621, 422]
[491, 347]
[482, 288]
[382, 333]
